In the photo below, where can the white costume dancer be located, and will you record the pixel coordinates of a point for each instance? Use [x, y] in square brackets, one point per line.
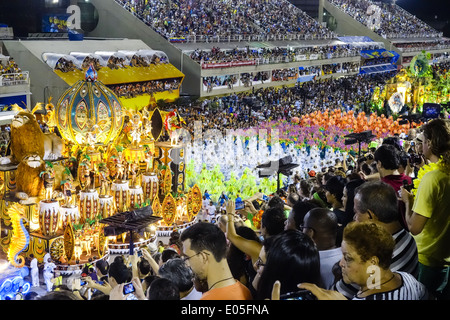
[48, 275]
[34, 272]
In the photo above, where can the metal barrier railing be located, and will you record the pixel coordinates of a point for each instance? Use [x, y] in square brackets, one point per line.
[13, 79]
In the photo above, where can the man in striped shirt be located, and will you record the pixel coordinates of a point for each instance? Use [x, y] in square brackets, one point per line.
[377, 201]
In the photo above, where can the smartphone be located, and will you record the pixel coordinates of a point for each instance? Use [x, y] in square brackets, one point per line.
[128, 288]
[240, 205]
[82, 282]
[298, 295]
[140, 253]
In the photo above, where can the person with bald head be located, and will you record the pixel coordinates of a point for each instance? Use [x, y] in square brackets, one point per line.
[321, 225]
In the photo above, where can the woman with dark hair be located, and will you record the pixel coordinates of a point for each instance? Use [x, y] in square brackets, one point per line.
[102, 268]
[240, 263]
[348, 196]
[298, 212]
[305, 189]
[175, 243]
[291, 259]
[334, 192]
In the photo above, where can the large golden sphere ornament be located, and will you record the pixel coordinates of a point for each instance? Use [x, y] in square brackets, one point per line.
[89, 113]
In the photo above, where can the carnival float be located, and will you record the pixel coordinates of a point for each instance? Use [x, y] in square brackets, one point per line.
[413, 86]
[104, 181]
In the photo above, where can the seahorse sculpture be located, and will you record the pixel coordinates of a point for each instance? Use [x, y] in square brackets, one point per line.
[20, 236]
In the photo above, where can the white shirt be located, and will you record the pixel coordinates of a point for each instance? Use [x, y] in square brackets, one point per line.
[328, 259]
[211, 210]
[193, 295]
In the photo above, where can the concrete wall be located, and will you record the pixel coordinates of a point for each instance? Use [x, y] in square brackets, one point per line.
[44, 83]
[115, 21]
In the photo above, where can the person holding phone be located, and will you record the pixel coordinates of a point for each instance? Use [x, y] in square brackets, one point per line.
[367, 254]
[128, 291]
[124, 285]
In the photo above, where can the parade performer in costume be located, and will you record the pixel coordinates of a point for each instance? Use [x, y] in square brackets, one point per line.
[34, 271]
[86, 172]
[134, 173]
[77, 250]
[67, 186]
[49, 268]
[103, 173]
[149, 161]
[49, 180]
[173, 122]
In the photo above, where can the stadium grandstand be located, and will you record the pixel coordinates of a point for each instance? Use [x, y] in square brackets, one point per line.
[14, 88]
[230, 46]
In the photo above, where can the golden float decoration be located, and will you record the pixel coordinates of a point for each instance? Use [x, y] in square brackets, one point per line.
[196, 199]
[69, 240]
[156, 207]
[169, 209]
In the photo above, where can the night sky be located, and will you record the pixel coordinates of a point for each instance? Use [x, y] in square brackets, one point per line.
[434, 12]
[427, 9]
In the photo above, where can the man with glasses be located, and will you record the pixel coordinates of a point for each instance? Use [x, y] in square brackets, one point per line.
[205, 251]
[321, 225]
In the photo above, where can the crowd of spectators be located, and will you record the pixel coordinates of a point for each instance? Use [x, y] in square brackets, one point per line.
[9, 67]
[65, 65]
[231, 112]
[174, 19]
[344, 233]
[423, 45]
[249, 79]
[228, 81]
[277, 54]
[344, 67]
[376, 61]
[10, 72]
[69, 64]
[387, 19]
[132, 90]
[284, 74]
[223, 19]
[281, 17]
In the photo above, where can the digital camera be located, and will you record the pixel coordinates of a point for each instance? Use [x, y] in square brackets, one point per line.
[414, 158]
